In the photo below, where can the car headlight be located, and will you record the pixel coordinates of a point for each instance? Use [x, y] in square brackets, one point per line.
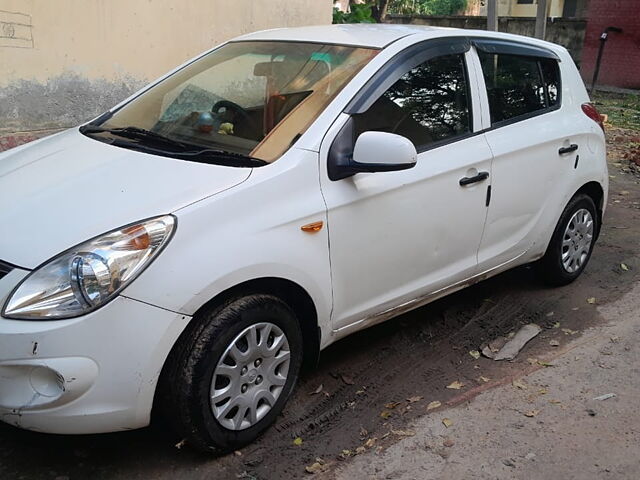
[87, 276]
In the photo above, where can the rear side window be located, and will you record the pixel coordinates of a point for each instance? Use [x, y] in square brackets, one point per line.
[551, 78]
[519, 86]
[428, 104]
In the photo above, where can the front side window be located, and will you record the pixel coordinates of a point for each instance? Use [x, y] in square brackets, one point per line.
[245, 98]
[515, 85]
[428, 104]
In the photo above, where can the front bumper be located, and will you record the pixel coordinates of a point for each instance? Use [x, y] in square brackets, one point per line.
[92, 374]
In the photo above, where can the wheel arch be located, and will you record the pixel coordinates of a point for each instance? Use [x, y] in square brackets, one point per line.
[293, 295]
[595, 191]
[288, 291]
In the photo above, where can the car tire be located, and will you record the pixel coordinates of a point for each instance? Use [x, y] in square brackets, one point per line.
[242, 349]
[572, 242]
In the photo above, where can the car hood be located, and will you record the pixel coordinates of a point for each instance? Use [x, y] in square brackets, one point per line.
[63, 190]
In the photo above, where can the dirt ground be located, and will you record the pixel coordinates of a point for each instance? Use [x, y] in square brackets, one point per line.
[370, 417]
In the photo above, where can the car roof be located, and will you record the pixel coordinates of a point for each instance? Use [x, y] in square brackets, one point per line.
[375, 35]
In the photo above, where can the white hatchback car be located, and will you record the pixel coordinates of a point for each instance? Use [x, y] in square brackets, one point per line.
[194, 246]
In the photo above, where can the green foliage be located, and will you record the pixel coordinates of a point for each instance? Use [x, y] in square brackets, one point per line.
[623, 109]
[427, 7]
[358, 13]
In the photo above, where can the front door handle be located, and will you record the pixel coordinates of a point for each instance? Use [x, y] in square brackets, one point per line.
[477, 178]
[571, 148]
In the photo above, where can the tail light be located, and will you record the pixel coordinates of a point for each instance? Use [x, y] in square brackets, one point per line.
[590, 111]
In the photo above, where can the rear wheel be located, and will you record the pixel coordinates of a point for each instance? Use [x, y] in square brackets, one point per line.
[232, 373]
[572, 242]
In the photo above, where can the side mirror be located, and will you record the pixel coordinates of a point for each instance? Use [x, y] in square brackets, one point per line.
[372, 152]
[383, 152]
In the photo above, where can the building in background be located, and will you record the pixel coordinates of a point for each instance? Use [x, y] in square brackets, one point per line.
[528, 8]
[620, 66]
[576, 24]
[64, 61]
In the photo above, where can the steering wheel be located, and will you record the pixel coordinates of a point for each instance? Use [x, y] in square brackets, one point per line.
[243, 113]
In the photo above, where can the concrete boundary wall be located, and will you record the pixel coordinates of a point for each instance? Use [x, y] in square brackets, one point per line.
[566, 32]
[65, 61]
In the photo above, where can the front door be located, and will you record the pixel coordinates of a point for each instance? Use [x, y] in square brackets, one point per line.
[395, 236]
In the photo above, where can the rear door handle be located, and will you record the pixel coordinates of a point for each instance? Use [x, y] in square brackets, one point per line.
[477, 178]
[571, 148]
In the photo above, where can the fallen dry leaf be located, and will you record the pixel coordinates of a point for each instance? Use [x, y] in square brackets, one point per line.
[391, 405]
[568, 331]
[556, 325]
[403, 433]
[434, 404]
[370, 443]
[591, 300]
[483, 379]
[414, 399]
[297, 441]
[346, 379]
[554, 343]
[455, 385]
[606, 396]
[360, 450]
[543, 391]
[446, 422]
[519, 384]
[317, 390]
[531, 413]
[181, 443]
[624, 267]
[475, 354]
[316, 467]
[385, 414]
[545, 364]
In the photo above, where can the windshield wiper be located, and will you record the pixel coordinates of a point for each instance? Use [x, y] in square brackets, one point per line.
[185, 151]
[210, 156]
[134, 133]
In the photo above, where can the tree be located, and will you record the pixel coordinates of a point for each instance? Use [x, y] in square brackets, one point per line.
[427, 7]
[371, 11]
[379, 9]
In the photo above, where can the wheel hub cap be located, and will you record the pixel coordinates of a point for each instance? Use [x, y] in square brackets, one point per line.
[577, 239]
[250, 376]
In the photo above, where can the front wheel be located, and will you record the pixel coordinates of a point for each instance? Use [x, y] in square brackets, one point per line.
[572, 242]
[233, 372]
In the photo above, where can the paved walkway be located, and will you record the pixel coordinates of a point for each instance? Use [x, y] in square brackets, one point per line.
[545, 425]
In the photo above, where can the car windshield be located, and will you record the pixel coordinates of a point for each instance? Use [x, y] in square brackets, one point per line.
[244, 99]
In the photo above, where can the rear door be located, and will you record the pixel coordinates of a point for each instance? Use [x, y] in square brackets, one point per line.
[530, 176]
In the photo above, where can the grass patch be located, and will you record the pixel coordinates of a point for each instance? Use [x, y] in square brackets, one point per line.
[623, 109]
